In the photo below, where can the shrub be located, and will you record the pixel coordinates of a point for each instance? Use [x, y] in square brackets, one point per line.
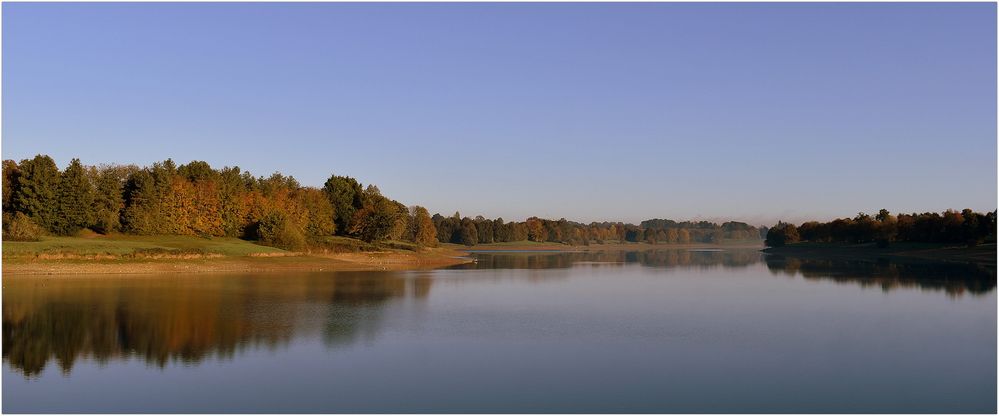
[276, 230]
[19, 227]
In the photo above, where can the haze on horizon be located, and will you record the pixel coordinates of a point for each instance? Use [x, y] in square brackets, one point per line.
[591, 112]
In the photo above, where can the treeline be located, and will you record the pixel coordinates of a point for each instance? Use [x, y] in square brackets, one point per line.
[463, 230]
[196, 199]
[966, 227]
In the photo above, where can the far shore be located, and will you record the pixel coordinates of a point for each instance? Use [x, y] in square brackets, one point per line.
[984, 254]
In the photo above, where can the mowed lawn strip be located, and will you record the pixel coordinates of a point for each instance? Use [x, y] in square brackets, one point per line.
[119, 245]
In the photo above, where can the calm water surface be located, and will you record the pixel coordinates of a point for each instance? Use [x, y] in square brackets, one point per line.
[663, 331]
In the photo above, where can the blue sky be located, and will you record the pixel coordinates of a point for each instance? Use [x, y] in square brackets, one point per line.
[586, 111]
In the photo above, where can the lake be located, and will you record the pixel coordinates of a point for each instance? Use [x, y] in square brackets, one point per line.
[659, 331]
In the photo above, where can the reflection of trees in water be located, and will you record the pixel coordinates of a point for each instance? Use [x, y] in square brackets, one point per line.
[699, 259]
[184, 319]
[650, 258]
[188, 319]
[954, 278]
[356, 308]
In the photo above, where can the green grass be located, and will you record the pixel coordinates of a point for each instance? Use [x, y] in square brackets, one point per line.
[340, 245]
[399, 245]
[128, 244]
[125, 245]
[508, 243]
[353, 245]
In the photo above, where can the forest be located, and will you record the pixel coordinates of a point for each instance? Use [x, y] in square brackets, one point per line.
[196, 199]
[964, 228]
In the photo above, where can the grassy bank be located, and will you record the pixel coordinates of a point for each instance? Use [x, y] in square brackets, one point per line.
[983, 254]
[92, 254]
[128, 245]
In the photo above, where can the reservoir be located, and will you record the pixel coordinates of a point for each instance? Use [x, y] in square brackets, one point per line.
[661, 331]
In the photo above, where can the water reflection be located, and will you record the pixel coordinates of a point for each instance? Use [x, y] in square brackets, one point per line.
[953, 278]
[186, 318]
[651, 258]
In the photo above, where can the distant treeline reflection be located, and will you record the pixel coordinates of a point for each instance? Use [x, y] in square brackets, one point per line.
[953, 278]
[650, 258]
[187, 319]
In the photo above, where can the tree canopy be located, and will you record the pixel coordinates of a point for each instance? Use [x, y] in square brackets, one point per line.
[966, 227]
[197, 199]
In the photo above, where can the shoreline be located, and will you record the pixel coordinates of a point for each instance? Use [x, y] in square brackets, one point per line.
[387, 260]
[984, 254]
[297, 262]
[556, 247]
[444, 256]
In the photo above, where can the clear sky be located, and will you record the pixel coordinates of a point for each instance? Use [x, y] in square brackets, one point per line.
[584, 111]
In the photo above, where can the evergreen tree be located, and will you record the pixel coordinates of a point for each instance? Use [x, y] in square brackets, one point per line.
[501, 232]
[444, 226]
[142, 201]
[345, 194]
[36, 192]
[469, 235]
[76, 200]
[233, 194]
[10, 174]
[108, 201]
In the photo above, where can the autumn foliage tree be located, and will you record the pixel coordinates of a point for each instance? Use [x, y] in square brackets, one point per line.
[196, 199]
[424, 232]
[376, 218]
[781, 234]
